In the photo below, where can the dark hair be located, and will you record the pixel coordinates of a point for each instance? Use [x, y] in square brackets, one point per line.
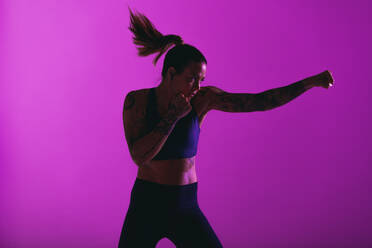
[152, 41]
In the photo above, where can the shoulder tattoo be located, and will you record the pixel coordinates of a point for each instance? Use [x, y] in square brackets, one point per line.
[129, 101]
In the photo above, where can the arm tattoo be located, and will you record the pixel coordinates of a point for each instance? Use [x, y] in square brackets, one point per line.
[238, 102]
[129, 101]
[247, 102]
[165, 125]
[279, 96]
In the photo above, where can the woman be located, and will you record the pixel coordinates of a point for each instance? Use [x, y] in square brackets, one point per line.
[162, 127]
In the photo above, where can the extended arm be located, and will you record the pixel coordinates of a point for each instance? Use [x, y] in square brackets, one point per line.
[274, 98]
[270, 99]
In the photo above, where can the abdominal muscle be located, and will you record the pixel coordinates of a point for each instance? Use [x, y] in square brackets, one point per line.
[172, 172]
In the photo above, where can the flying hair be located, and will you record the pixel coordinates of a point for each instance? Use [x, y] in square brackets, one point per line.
[148, 39]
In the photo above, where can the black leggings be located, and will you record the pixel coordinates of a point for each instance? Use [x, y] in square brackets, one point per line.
[172, 211]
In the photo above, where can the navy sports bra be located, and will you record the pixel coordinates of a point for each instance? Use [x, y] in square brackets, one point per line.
[182, 142]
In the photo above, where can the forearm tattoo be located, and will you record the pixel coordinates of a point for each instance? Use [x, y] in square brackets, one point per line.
[246, 102]
[165, 125]
[277, 97]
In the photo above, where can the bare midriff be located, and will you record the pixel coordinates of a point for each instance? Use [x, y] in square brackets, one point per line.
[171, 172]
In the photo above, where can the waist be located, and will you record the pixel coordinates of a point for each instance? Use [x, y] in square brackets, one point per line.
[147, 194]
[169, 172]
[164, 188]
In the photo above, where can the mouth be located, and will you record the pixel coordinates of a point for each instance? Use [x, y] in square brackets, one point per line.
[192, 94]
[189, 97]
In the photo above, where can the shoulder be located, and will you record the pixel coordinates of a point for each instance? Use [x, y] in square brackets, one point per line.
[134, 113]
[204, 91]
[135, 98]
[130, 100]
[203, 100]
[212, 90]
[209, 93]
[212, 97]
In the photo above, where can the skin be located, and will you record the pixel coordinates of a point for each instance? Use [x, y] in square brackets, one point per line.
[206, 98]
[176, 171]
[188, 82]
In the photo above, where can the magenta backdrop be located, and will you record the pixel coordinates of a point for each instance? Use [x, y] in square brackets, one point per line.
[295, 176]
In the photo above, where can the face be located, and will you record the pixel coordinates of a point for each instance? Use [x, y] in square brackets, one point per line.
[189, 81]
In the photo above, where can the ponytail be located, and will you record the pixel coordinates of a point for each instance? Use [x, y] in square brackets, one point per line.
[147, 36]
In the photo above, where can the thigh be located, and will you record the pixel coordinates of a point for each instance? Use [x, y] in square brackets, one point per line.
[190, 229]
[140, 229]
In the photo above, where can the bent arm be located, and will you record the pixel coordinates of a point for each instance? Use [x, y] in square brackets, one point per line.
[144, 147]
[147, 147]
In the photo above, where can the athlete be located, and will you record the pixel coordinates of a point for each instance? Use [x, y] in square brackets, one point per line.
[162, 127]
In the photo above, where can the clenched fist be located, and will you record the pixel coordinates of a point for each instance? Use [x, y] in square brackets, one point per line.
[324, 79]
[179, 106]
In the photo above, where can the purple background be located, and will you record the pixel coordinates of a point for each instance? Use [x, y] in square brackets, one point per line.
[295, 176]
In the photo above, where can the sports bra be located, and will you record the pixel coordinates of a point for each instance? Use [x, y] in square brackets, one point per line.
[182, 142]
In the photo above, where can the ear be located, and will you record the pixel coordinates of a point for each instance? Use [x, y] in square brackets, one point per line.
[171, 72]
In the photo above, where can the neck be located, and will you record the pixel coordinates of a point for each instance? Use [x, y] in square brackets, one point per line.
[163, 95]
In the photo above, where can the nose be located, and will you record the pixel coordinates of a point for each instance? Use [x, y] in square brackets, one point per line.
[196, 87]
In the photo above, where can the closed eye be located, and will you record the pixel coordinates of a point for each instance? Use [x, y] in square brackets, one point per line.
[200, 80]
[191, 79]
